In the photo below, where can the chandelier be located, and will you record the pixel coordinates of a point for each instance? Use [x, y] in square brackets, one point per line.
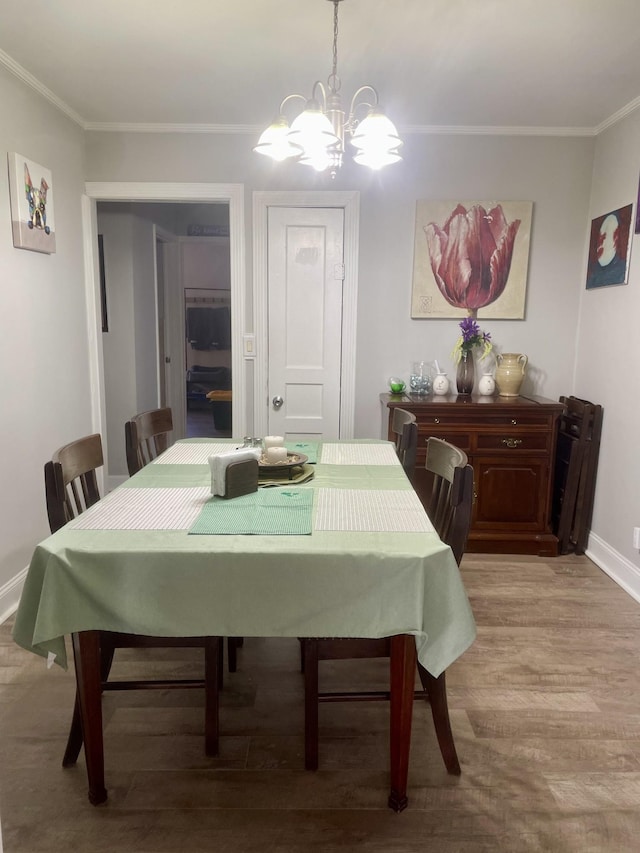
[317, 134]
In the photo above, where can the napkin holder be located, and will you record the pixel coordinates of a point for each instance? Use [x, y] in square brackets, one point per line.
[241, 478]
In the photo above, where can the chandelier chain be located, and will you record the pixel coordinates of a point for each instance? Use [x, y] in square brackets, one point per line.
[334, 70]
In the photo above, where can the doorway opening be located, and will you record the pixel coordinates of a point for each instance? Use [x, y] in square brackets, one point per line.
[147, 304]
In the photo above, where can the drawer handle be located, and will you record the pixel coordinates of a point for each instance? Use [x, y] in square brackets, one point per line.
[436, 420]
[514, 421]
[512, 442]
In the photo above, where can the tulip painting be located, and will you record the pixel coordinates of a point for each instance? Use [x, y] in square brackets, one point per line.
[473, 258]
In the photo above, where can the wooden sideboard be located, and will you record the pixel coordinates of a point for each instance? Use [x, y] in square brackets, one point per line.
[511, 443]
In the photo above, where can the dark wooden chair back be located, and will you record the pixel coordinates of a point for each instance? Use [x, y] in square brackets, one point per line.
[146, 436]
[450, 490]
[450, 480]
[71, 485]
[405, 430]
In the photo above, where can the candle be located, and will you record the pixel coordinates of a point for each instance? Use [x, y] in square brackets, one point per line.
[276, 454]
[273, 441]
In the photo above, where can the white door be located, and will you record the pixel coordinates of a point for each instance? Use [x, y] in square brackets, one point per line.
[305, 277]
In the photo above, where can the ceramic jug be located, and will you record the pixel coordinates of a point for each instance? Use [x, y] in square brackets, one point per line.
[510, 373]
[486, 385]
[441, 384]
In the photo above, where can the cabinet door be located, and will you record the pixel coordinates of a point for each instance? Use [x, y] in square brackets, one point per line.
[510, 493]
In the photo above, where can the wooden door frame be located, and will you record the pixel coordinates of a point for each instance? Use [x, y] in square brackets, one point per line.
[349, 201]
[187, 193]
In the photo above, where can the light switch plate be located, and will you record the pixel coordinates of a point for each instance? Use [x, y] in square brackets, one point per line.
[249, 346]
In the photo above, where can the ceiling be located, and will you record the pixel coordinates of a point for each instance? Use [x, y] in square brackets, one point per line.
[568, 66]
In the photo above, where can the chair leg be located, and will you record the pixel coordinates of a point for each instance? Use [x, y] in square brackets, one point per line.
[233, 644]
[309, 650]
[74, 741]
[211, 689]
[220, 666]
[437, 692]
[75, 738]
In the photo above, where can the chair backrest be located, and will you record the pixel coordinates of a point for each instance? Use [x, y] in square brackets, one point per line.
[450, 490]
[146, 436]
[405, 430]
[70, 480]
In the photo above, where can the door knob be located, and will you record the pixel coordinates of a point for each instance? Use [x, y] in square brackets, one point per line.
[277, 402]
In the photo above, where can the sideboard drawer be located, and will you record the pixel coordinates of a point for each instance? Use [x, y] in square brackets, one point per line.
[514, 441]
[460, 439]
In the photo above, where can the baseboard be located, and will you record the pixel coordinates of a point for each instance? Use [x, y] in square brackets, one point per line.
[10, 595]
[621, 570]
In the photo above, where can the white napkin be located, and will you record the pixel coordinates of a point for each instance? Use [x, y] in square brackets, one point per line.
[219, 462]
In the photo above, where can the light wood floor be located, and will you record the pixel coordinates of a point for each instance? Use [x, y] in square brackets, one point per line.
[545, 710]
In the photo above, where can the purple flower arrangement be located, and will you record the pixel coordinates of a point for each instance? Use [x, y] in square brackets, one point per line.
[471, 336]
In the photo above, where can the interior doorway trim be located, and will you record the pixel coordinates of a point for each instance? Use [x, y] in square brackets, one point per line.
[349, 201]
[186, 193]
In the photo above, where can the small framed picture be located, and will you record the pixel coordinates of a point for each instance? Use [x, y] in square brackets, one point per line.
[32, 220]
[610, 248]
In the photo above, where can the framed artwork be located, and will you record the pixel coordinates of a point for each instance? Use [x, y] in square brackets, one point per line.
[609, 248]
[471, 259]
[32, 219]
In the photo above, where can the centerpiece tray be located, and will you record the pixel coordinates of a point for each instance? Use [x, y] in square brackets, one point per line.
[293, 460]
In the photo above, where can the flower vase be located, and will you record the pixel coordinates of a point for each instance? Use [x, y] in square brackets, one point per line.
[466, 372]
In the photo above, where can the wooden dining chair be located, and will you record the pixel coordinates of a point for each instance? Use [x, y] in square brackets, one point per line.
[405, 431]
[71, 486]
[146, 436]
[450, 480]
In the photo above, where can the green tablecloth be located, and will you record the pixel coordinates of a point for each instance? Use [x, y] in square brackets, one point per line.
[170, 583]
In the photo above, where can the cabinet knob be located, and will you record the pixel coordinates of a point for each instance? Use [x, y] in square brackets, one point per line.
[512, 442]
[514, 421]
[436, 420]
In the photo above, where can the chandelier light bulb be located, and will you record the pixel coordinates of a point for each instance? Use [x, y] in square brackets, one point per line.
[274, 142]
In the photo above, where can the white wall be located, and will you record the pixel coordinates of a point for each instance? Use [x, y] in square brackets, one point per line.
[44, 379]
[130, 345]
[118, 344]
[606, 362]
[554, 173]
[146, 317]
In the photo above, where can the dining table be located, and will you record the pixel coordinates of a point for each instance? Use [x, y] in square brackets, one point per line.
[339, 546]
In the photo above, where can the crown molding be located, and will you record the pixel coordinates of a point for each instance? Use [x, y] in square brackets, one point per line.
[418, 130]
[22, 74]
[245, 129]
[150, 127]
[490, 130]
[616, 117]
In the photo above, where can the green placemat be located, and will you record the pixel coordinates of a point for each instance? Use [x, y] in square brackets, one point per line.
[279, 511]
[309, 448]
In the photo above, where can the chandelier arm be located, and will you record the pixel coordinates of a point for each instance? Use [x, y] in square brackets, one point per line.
[319, 85]
[290, 98]
[352, 122]
[363, 103]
